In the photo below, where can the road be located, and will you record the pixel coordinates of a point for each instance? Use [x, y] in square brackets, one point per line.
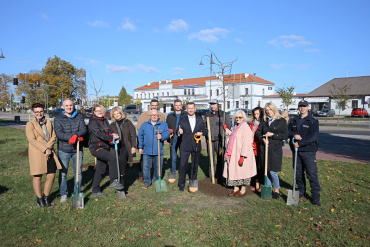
[349, 143]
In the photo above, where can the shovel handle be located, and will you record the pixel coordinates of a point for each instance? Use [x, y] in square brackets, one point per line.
[159, 154]
[266, 154]
[293, 141]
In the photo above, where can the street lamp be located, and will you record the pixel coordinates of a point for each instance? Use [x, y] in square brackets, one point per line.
[2, 55]
[210, 59]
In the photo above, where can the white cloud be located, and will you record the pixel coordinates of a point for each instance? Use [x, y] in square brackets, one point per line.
[177, 26]
[147, 69]
[209, 35]
[240, 41]
[118, 69]
[278, 66]
[303, 67]
[44, 16]
[177, 71]
[156, 30]
[127, 25]
[88, 61]
[289, 41]
[313, 50]
[23, 62]
[99, 23]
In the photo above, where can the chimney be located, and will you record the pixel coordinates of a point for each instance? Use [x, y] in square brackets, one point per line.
[246, 75]
[149, 84]
[181, 79]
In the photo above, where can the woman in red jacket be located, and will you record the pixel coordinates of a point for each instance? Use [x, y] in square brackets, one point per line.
[257, 117]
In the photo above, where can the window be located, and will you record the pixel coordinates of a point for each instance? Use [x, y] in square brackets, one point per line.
[236, 104]
[141, 96]
[259, 103]
[162, 94]
[189, 91]
[263, 91]
[228, 105]
[184, 91]
[193, 91]
[168, 94]
[269, 88]
[246, 104]
[246, 91]
[354, 103]
[210, 93]
[217, 92]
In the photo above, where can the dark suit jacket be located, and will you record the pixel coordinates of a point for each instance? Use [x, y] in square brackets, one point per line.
[188, 142]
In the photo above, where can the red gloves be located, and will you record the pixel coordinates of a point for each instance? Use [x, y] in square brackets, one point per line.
[225, 126]
[73, 139]
[241, 160]
[171, 130]
[81, 139]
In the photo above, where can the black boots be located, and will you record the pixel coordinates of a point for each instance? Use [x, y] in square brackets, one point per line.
[47, 201]
[44, 201]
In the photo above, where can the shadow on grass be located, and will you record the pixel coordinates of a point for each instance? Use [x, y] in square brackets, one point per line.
[3, 189]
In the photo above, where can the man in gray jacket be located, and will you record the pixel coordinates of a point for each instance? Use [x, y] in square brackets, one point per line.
[69, 127]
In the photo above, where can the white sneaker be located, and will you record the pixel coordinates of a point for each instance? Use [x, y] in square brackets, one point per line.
[63, 199]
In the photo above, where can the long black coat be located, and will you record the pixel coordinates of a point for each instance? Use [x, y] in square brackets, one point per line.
[129, 136]
[275, 150]
[188, 143]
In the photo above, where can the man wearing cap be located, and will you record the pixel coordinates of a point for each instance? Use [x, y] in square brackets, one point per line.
[305, 131]
[218, 128]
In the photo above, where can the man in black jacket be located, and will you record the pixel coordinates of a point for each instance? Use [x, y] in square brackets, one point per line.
[305, 131]
[173, 122]
[69, 126]
[189, 126]
[218, 128]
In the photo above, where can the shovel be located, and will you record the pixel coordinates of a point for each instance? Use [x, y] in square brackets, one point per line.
[193, 183]
[293, 195]
[172, 175]
[120, 193]
[78, 196]
[160, 185]
[210, 151]
[266, 189]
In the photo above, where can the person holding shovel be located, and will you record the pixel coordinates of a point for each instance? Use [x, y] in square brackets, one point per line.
[305, 130]
[127, 134]
[240, 160]
[276, 129]
[149, 133]
[42, 158]
[69, 126]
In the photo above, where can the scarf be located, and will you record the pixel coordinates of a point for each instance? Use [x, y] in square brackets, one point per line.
[42, 123]
[232, 140]
[255, 125]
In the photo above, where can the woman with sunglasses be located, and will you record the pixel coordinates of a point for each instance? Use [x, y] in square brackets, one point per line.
[42, 158]
[100, 141]
[276, 129]
[240, 162]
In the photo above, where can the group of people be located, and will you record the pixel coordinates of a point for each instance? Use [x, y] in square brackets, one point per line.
[238, 151]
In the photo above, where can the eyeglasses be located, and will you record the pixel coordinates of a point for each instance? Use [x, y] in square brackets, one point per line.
[97, 111]
[154, 115]
[38, 112]
[239, 118]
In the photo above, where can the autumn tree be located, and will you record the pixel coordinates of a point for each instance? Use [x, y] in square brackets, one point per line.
[27, 85]
[5, 89]
[286, 94]
[124, 98]
[341, 97]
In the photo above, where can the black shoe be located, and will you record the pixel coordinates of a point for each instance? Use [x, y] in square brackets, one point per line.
[40, 202]
[276, 195]
[316, 203]
[181, 189]
[47, 201]
[302, 195]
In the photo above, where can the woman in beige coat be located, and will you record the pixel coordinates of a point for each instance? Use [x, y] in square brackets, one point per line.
[240, 164]
[41, 137]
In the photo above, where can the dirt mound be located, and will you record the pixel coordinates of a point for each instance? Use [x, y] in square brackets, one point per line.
[87, 166]
[216, 189]
[24, 153]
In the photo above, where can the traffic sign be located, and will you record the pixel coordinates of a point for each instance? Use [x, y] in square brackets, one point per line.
[77, 96]
[21, 82]
[42, 84]
[23, 94]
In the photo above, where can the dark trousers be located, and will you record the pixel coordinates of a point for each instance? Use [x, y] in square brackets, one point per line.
[141, 167]
[306, 163]
[122, 159]
[184, 158]
[259, 178]
[217, 160]
[103, 157]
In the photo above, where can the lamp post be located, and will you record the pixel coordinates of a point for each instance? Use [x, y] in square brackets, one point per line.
[1, 55]
[210, 59]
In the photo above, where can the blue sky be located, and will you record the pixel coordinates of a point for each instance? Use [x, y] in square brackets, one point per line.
[131, 43]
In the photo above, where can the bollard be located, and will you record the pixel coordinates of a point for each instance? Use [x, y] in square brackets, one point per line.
[17, 119]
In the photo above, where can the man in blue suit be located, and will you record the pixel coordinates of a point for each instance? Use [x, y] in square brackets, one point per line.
[189, 126]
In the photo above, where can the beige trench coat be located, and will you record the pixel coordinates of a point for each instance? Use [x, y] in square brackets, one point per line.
[37, 146]
[242, 147]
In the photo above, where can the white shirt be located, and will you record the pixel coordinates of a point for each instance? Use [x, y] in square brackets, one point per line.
[192, 122]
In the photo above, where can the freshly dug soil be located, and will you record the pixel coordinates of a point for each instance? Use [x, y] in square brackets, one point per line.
[24, 153]
[87, 166]
[216, 189]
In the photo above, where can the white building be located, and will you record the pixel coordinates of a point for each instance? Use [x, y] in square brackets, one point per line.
[242, 91]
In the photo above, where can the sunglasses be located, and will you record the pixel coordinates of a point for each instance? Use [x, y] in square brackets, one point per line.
[239, 118]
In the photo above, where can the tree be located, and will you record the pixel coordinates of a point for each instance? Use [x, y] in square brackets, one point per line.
[5, 89]
[286, 94]
[124, 98]
[340, 96]
[97, 89]
[28, 86]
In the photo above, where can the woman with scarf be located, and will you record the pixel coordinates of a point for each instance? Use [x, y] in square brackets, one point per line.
[127, 134]
[43, 160]
[240, 164]
[100, 141]
[257, 117]
[276, 129]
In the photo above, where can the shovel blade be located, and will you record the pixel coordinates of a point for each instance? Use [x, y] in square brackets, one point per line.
[293, 198]
[121, 195]
[172, 177]
[160, 185]
[266, 191]
[78, 201]
[193, 186]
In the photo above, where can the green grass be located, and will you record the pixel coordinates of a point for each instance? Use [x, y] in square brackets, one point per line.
[174, 218]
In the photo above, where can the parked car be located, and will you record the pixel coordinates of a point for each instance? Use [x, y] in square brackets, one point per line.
[88, 112]
[107, 114]
[132, 108]
[359, 112]
[55, 112]
[136, 117]
[293, 111]
[326, 113]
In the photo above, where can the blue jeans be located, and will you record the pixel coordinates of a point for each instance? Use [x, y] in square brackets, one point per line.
[65, 158]
[150, 161]
[174, 148]
[275, 179]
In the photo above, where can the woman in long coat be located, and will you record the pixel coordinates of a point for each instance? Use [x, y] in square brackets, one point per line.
[276, 129]
[240, 161]
[42, 158]
[127, 134]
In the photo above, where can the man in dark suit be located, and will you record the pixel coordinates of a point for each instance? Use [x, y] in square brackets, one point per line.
[189, 126]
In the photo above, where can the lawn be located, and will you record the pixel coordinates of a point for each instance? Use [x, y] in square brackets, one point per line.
[176, 218]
